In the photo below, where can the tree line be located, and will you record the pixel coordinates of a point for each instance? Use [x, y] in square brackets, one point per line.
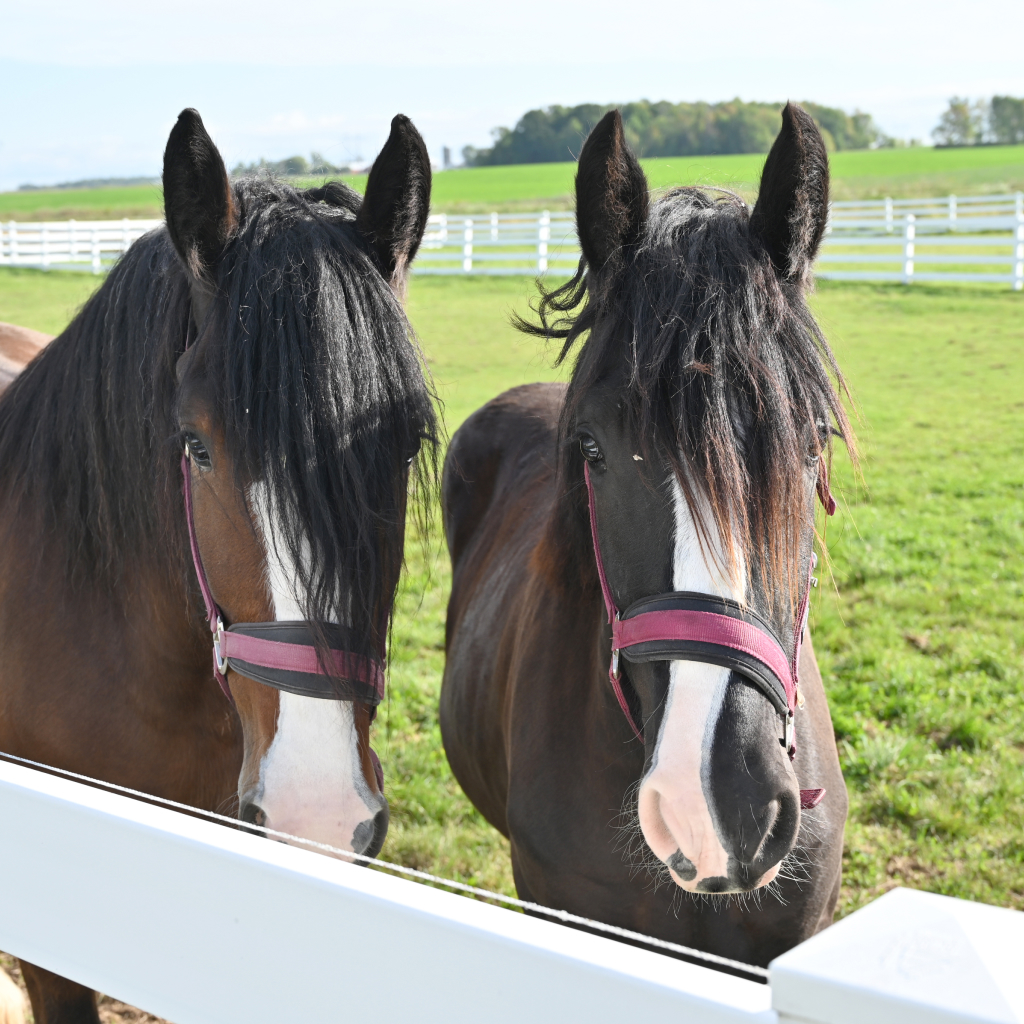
[668, 129]
[998, 121]
[290, 167]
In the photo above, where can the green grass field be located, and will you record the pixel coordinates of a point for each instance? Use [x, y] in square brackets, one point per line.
[866, 174]
[920, 642]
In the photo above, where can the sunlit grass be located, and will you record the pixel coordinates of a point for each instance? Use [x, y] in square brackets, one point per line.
[922, 646]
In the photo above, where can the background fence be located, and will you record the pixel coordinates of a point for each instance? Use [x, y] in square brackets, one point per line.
[203, 924]
[69, 245]
[970, 238]
[973, 238]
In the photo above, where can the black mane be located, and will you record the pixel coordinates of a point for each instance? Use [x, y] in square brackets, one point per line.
[321, 390]
[696, 323]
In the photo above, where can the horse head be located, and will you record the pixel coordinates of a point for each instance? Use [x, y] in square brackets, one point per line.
[694, 435]
[302, 405]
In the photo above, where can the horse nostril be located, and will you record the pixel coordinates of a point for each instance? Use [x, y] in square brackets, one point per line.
[682, 866]
[369, 835]
[252, 814]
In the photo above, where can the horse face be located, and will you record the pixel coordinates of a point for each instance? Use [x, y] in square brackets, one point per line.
[307, 767]
[698, 310]
[719, 802]
[299, 477]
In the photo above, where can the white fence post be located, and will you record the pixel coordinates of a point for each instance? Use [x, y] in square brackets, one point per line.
[444, 229]
[908, 250]
[13, 229]
[126, 234]
[543, 237]
[467, 247]
[952, 213]
[888, 214]
[72, 244]
[44, 246]
[494, 227]
[96, 264]
[1018, 268]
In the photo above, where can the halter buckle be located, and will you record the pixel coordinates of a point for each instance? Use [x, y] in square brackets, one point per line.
[222, 663]
[787, 732]
[615, 664]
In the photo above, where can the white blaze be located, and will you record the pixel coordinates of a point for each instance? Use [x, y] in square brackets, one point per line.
[311, 780]
[674, 812]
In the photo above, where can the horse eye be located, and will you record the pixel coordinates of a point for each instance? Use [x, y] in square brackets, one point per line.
[196, 451]
[590, 449]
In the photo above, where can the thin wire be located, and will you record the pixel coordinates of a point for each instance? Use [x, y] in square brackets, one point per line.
[560, 915]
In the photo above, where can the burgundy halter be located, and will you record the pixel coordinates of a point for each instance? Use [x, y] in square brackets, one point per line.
[684, 626]
[279, 654]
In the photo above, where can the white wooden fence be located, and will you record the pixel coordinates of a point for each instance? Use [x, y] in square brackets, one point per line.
[967, 238]
[973, 238]
[203, 924]
[69, 244]
[499, 244]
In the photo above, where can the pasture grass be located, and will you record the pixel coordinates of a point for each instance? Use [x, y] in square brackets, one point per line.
[920, 640]
[856, 174]
[113, 203]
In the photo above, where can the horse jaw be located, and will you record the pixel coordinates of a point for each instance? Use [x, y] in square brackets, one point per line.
[311, 778]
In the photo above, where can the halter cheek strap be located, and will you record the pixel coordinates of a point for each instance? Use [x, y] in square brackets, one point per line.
[700, 627]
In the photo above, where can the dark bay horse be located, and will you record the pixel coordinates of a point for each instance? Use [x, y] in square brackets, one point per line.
[260, 333]
[674, 479]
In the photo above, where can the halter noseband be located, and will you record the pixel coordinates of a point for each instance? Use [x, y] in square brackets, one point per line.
[683, 626]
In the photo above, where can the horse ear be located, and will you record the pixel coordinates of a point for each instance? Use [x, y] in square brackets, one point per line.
[394, 213]
[198, 203]
[792, 204]
[611, 194]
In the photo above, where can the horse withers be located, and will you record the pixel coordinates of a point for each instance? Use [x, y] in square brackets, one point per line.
[260, 335]
[671, 489]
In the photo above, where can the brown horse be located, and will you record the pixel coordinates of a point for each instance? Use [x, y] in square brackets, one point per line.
[18, 347]
[699, 410]
[262, 333]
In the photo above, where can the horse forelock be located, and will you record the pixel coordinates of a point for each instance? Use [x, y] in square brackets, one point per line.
[325, 398]
[718, 362]
[318, 380]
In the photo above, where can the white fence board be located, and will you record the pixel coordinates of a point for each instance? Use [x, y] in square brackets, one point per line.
[202, 924]
[908, 958]
[542, 243]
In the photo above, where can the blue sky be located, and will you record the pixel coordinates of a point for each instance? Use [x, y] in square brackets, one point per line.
[92, 90]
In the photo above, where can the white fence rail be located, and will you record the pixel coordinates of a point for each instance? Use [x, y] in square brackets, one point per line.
[69, 244]
[968, 238]
[202, 924]
[499, 243]
[972, 238]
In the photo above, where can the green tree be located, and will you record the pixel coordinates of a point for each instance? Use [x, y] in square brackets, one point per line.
[962, 124]
[666, 129]
[1006, 120]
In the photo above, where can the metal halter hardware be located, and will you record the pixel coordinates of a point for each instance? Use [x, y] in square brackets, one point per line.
[280, 654]
[683, 626]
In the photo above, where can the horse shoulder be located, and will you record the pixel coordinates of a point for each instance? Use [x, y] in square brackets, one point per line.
[509, 438]
[497, 492]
